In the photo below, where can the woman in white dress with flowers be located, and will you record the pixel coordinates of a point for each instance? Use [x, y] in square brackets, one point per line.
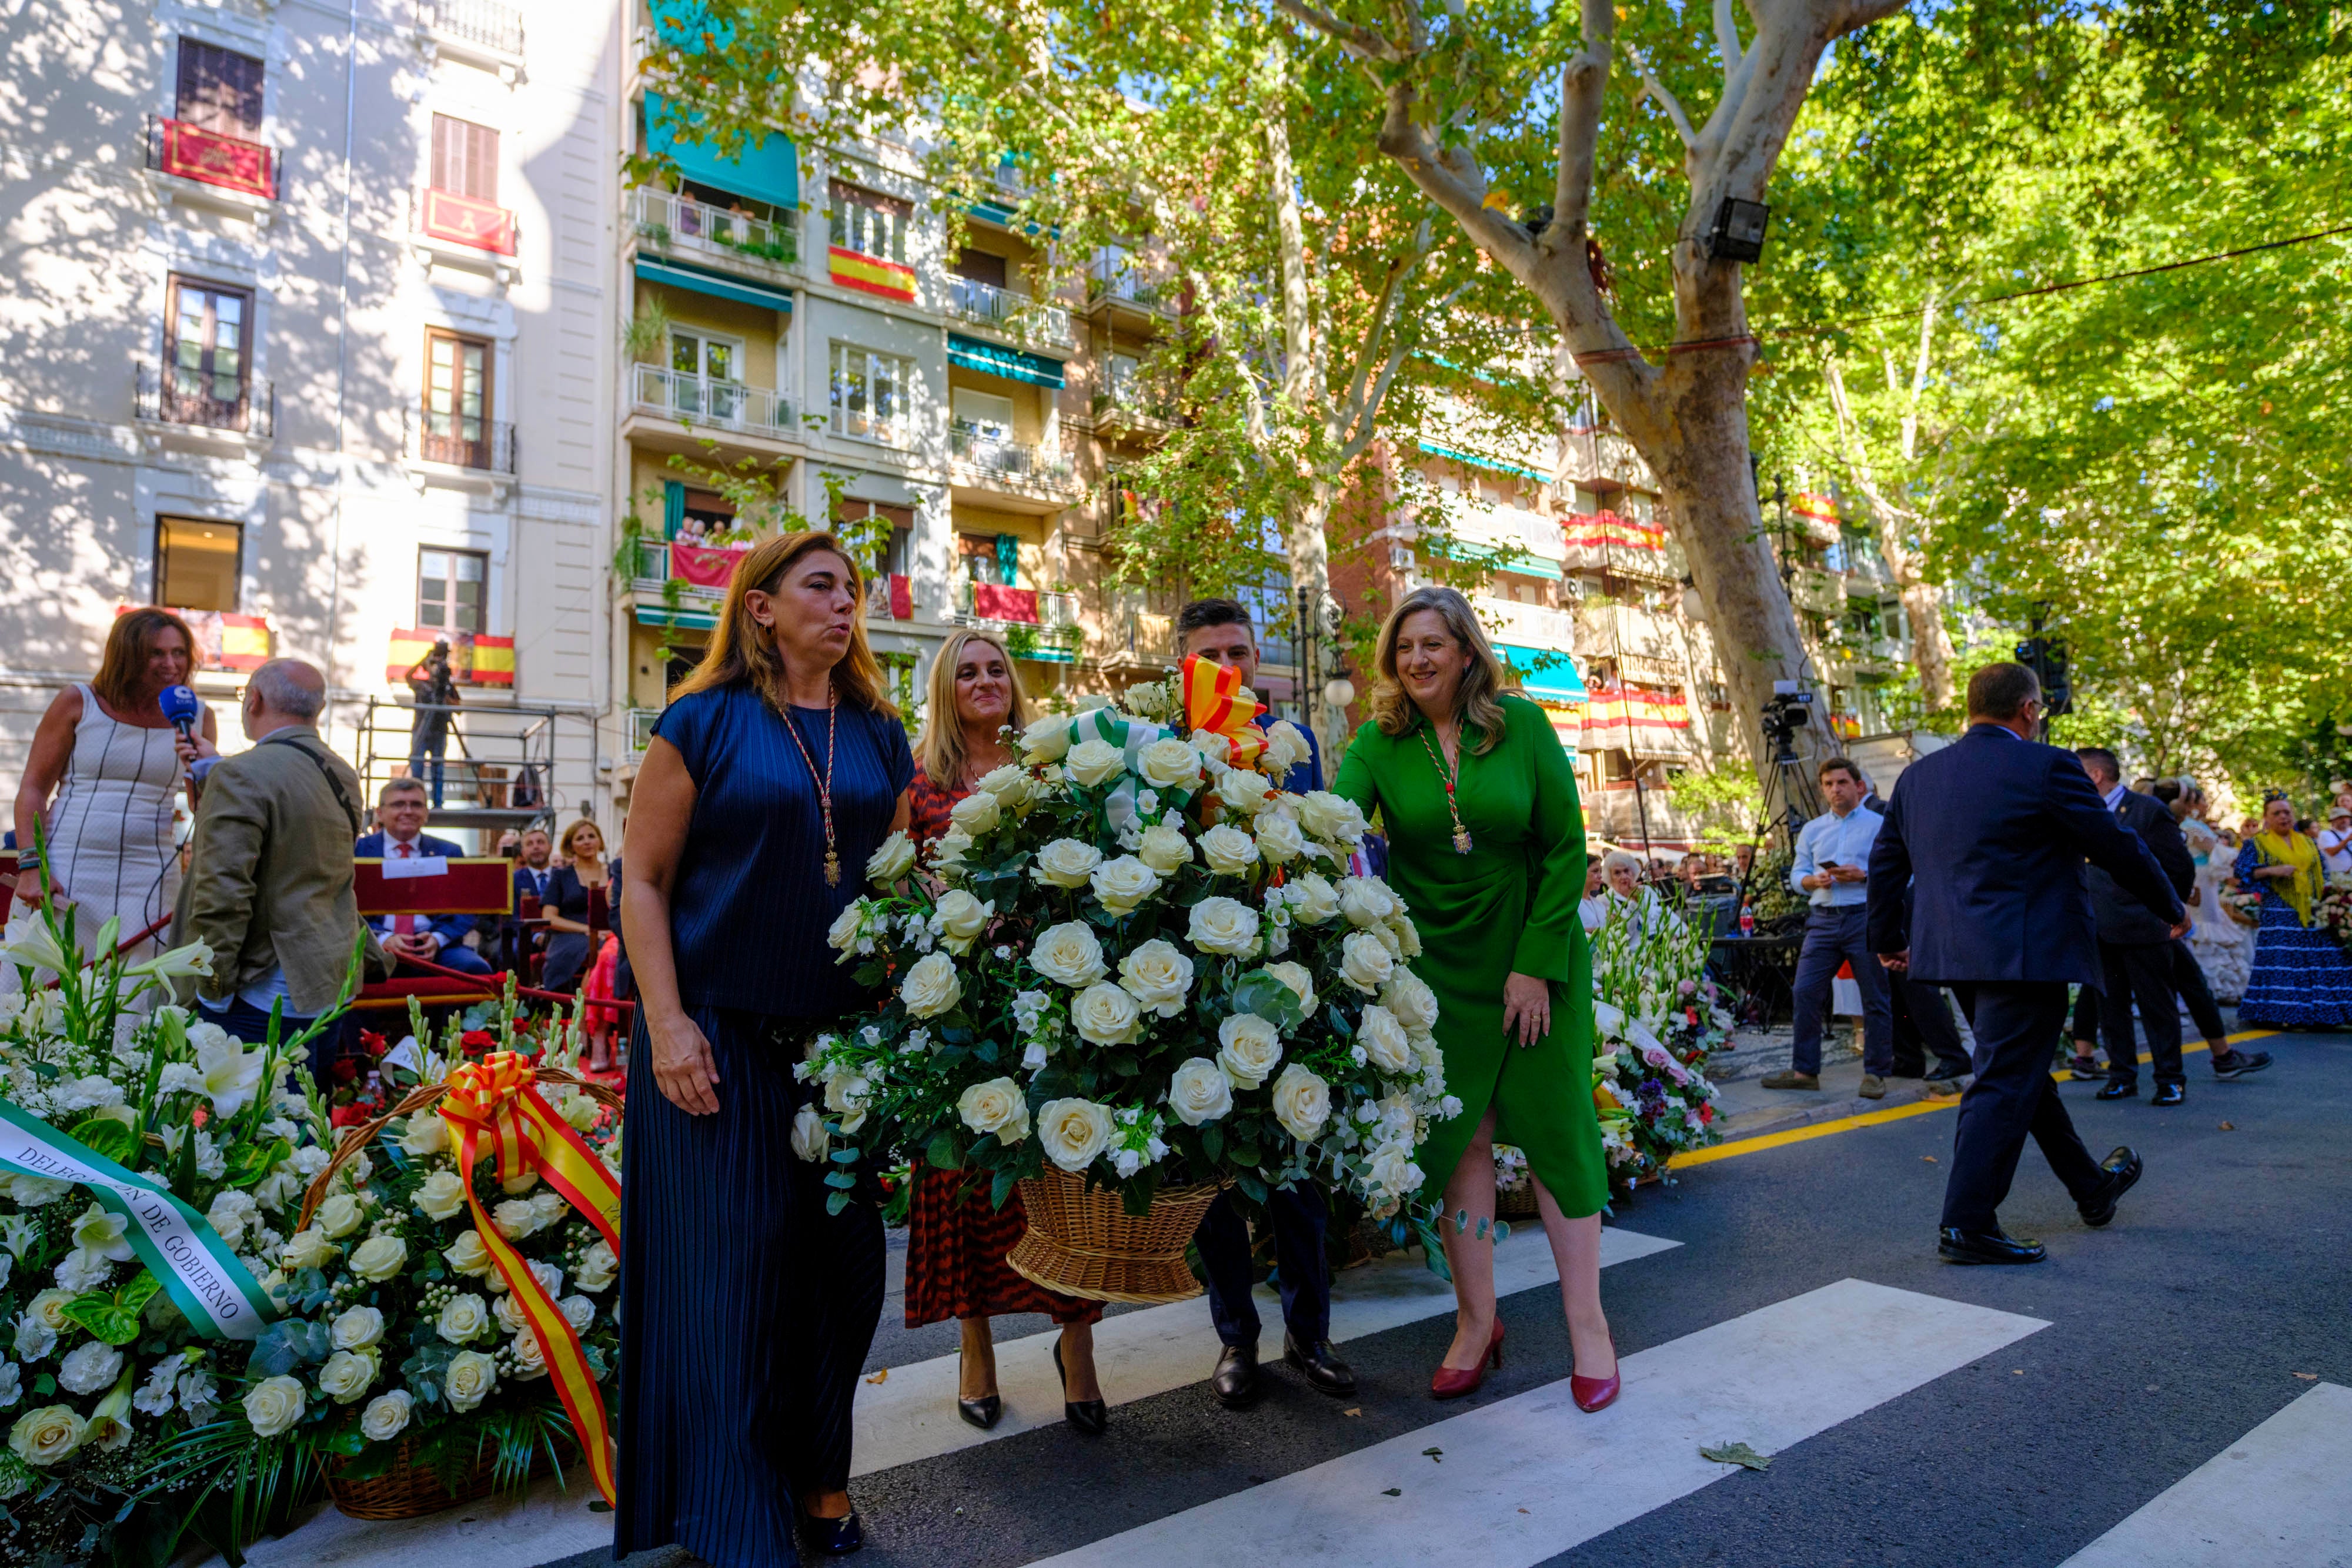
[2223, 948]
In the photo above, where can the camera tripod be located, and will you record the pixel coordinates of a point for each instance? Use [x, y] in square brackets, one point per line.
[1792, 799]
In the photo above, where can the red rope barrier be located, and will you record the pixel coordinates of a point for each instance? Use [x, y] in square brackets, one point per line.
[497, 978]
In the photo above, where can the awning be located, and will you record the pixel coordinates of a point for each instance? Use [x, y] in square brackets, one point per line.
[768, 172]
[685, 620]
[1545, 673]
[1524, 562]
[999, 360]
[1479, 460]
[717, 287]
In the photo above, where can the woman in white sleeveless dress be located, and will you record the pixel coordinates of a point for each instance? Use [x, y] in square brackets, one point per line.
[2222, 948]
[103, 782]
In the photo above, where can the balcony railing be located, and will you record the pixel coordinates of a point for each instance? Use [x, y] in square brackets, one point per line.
[1512, 529]
[889, 430]
[1047, 609]
[1123, 280]
[672, 223]
[486, 445]
[1615, 630]
[653, 576]
[978, 448]
[485, 24]
[462, 220]
[701, 400]
[175, 396]
[1014, 315]
[211, 157]
[640, 725]
[1528, 625]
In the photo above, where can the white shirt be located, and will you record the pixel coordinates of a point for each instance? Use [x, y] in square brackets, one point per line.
[2335, 848]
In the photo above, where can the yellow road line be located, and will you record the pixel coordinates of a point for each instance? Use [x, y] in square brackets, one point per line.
[1873, 1118]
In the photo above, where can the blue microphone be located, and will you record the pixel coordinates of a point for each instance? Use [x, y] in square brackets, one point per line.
[181, 706]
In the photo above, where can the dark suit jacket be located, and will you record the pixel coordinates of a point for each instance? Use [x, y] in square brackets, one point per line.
[1992, 832]
[2128, 921]
[525, 887]
[452, 929]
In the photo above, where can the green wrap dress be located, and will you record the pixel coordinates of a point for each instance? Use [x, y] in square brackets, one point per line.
[1509, 905]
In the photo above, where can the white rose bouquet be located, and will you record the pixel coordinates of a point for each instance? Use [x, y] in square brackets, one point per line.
[1139, 962]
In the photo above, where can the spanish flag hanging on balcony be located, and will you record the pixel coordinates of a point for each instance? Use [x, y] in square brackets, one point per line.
[872, 275]
[224, 640]
[475, 659]
[1646, 723]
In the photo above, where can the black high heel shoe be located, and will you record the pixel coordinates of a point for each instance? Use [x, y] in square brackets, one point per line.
[1091, 1416]
[984, 1411]
[833, 1537]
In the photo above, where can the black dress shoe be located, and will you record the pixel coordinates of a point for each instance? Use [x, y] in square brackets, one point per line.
[833, 1537]
[984, 1411]
[1945, 1072]
[2169, 1094]
[2122, 1168]
[1091, 1416]
[1321, 1366]
[2118, 1089]
[1235, 1381]
[2239, 1063]
[1957, 1245]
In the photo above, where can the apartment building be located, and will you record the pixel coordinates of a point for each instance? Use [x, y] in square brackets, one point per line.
[307, 337]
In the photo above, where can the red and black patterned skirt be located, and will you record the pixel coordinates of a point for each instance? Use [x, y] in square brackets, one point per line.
[955, 1255]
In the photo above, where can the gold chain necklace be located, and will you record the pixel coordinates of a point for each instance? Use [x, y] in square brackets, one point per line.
[1446, 776]
[824, 780]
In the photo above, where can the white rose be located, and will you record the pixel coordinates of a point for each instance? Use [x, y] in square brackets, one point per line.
[996, 1106]
[468, 1256]
[509, 1313]
[961, 919]
[1227, 851]
[1123, 883]
[1243, 791]
[1211, 745]
[578, 1311]
[1302, 1102]
[811, 1141]
[1169, 764]
[1408, 936]
[1366, 900]
[1158, 976]
[464, 1319]
[90, 1366]
[1200, 1091]
[548, 1208]
[1224, 926]
[1247, 1049]
[1045, 740]
[1313, 900]
[48, 1309]
[469, 1379]
[1106, 1015]
[1073, 1132]
[1068, 954]
[1009, 784]
[440, 1195]
[228, 1214]
[599, 1267]
[357, 1328]
[977, 813]
[346, 1376]
[1365, 961]
[514, 1218]
[340, 1215]
[1300, 981]
[1165, 847]
[273, 1404]
[1384, 1039]
[1287, 745]
[308, 1250]
[1393, 1172]
[841, 934]
[846, 1095]
[1093, 762]
[49, 1435]
[529, 1357]
[427, 1135]
[1066, 862]
[379, 1258]
[1328, 816]
[931, 987]
[386, 1416]
[1410, 999]
[1278, 838]
[894, 860]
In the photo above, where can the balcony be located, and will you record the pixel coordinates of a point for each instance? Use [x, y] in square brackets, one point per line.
[219, 169]
[1118, 284]
[453, 441]
[703, 403]
[1009, 315]
[1622, 631]
[639, 725]
[1038, 624]
[1818, 592]
[976, 446]
[679, 225]
[193, 400]
[1147, 641]
[1507, 530]
[484, 27]
[446, 218]
[1527, 626]
[655, 574]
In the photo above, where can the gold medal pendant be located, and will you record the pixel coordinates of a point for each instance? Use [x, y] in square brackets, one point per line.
[832, 869]
[1461, 840]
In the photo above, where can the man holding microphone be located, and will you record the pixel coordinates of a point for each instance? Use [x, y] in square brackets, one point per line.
[1831, 869]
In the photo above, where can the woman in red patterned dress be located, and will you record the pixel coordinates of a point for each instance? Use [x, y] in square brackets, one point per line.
[956, 1243]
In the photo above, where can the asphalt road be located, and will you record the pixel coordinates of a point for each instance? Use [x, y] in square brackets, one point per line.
[2171, 1336]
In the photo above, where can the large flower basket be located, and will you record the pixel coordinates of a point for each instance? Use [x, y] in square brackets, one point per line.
[1084, 1243]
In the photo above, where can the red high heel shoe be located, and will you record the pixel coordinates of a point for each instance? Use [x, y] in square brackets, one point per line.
[1592, 1393]
[1448, 1383]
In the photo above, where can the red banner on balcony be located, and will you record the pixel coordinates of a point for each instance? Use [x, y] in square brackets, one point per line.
[1627, 718]
[994, 601]
[215, 160]
[474, 660]
[902, 597]
[223, 640]
[1599, 530]
[704, 566]
[461, 220]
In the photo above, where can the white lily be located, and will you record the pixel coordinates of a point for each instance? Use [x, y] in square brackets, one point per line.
[107, 936]
[102, 1233]
[33, 946]
[195, 958]
[230, 1075]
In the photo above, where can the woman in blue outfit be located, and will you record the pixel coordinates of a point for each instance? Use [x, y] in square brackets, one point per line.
[746, 1309]
[2301, 978]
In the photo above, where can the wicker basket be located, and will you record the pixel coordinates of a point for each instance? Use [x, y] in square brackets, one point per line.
[1516, 1203]
[408, 1489]
[1085, 1244]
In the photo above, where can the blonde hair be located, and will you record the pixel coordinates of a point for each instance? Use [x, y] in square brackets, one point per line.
[1483, 683]
[563, 844]
[123, 669]
[739, 650]
[941, 750]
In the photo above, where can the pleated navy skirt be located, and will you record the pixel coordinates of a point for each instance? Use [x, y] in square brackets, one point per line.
[746, 1310]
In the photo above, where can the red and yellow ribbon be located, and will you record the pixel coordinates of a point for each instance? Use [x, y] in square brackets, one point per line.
[495, 1099]
[1212, 702]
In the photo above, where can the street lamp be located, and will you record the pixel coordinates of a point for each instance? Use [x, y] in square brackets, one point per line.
[1738, 230]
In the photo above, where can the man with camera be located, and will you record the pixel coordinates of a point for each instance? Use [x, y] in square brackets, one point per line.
[1831, 869]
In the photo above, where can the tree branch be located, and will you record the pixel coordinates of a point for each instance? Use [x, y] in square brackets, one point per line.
[1727, 37]
[1654, 88]
[1359, 40]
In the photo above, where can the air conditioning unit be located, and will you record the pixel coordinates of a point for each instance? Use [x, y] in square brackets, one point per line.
[1400, 557]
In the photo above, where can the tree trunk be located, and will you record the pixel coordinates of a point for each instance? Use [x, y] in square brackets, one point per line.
[1310, 573]
[1931, 645]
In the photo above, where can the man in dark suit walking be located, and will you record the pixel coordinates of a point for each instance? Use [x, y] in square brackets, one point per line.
[1992, 833]
[2136, 942]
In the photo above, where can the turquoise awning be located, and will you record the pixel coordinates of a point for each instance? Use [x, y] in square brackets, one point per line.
[999, 360]
[1479, 460]
[1558, 681]
[769, 172]
[684, 620]
[709, 283]
[1524, 562]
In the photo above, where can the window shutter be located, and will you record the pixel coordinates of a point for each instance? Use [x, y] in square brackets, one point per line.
[219, 89]
[465, 159]
[482, 163]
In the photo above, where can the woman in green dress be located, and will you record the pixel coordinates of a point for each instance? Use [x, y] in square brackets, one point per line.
[1487, 846]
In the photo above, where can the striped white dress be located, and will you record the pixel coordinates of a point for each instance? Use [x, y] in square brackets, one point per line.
[110, 826]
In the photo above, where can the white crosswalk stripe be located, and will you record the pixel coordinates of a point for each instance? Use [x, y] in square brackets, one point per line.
[2280, 1496]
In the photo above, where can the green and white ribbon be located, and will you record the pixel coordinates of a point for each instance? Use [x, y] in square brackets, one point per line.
[196, 1266]
[1130, 735]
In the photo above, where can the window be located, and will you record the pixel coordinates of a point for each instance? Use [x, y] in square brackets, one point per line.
[219, 91]
[871, 393]
[457, 400]
[1126, 380]
[990, 558]
[465, 159]
[449, 589]
[882, 534]
[708, 384]
[207, 331]
[869, 222]
[983, 416]
[980, 266]
[196, 563]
